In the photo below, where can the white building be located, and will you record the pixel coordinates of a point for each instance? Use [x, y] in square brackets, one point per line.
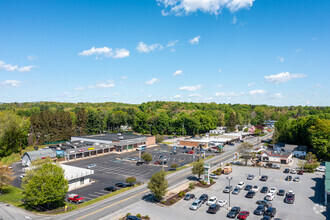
[77, 177]
[277, 156]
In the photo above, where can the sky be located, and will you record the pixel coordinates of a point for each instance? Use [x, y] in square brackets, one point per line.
[273, 52]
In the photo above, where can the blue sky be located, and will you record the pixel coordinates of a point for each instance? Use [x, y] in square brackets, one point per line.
[272, 52]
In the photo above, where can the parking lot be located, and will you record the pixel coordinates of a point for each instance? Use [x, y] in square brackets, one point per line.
[309, 194]
[113, 168]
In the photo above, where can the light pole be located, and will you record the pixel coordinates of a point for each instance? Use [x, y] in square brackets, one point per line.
[229, 178]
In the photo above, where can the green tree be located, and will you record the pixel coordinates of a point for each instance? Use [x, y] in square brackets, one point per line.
[81, 122]
[244, 150]
[147, 157]
[158, 184]
[232, 121]
[44, 187]
[174, 165]
[198, 168]
[130, 179]
[6, 176]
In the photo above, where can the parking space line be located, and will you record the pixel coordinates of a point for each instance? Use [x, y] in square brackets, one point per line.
[93, 195]
[101, 193]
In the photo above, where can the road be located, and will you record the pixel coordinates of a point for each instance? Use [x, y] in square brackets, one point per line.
[107, 208]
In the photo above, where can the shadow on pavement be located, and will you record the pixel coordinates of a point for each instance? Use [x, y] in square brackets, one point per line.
[318, 197]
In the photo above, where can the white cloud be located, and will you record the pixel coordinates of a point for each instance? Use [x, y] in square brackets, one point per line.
[218, 86]
[106, 52]
[124, 77]
[152, 81]
[172, 43]
[277, 96]
[141, 90]
[11, 84]
[257, 92]
[149, 96]
[298, 50]
[234, 20]
[11, 68]
[80, 88]
[251, 84]
[178, 97]
[107, 84]
[195, 40]
[225, 94]
[32, 57]
[184, 7]
[178, 72]
[281, 59]
[190, 88]
[144, 48]
[318, 85]
[284, 77]
[220, 70]
[195, 95]
[121, 53]
[116, 93]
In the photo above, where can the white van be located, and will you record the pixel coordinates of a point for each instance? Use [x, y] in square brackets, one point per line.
[141, 147]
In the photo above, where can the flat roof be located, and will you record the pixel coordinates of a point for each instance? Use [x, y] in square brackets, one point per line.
[112, 136]
[327, 177]
[71, 172]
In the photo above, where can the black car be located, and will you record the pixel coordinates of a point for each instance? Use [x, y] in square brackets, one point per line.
[289, 198]
[204, 198]
[111, 189]
[139, 163]
[264, 203]
[271, 211]
[266, 217]
[288, 178]
[132, 217]
[120, 185]
[260, 210]
[264, 189]
[162, 162]
[248, 187]
[250, 194]
[213, 208]
[189, 196]
[129, 184]
[286, 170]
[264, 178]
[281, 192]
[234, 212]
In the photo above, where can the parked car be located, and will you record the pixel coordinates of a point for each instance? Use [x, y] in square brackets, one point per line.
[265, 203]
[228, 189]
[276, 166]
[75, 198]
[281, 192]
[213, 176]
[301, 172]
[134, 158]
[222, 203]
[129, 184]
[211, 200]
[320, 169]
[22, 176]
[204, 198]
[272, 190]
[288, 178]
[234, 212]
[255, 189]
[264, 178]
[213, 208]
[196, 204]
[189, 196]
[191, 152]
[271, 211]
[296, 179]
[289, 197]
[163, 162]
[286, 170]
[250, 194]
[269, 196]
[243, 215]
[260, 210]
[240, 185]
[139, 163]
[157, 162]
[264, 189]
[293, 171]
[250, 177]
[123, 185]
[111, 188]
[236, 191]
[132, 217]
[266, 217]
[91, 166]
[248, 187]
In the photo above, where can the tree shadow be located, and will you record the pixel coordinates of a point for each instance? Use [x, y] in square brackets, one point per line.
[149, 198]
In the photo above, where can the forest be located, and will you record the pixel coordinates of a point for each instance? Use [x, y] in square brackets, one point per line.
[23, 124]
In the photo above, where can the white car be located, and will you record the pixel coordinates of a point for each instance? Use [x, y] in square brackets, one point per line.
[320, 169]
[255, 189]
[222, 203]
[290, 192]
[212, 200]
[270, 196]
[273, 190]
[293, 171]
[213, 176]
[196, 204]
[22, 176]
[240, 185]
[91, 166]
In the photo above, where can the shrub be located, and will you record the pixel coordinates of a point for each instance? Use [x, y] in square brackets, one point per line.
[163, 202]
[172, 201]
[180, 194]
[191, 185]
[130, 179]
[183, 193]
[127, 214]
[211, 180]
[174, 166]
[147, 217]
[138, 215]
[227, 164]
[204, 183]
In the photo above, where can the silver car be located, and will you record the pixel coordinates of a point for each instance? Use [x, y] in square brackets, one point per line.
[196, 204]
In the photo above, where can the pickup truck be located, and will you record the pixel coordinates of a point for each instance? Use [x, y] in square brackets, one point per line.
[75, 198]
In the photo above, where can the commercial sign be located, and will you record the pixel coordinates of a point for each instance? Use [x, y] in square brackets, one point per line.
[91, 148]
[72, 151]
[82, 150]
[60, 154]
[236, 155]
[206, 173]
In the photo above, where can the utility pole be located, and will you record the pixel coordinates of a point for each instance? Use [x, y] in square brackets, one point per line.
[229, 178]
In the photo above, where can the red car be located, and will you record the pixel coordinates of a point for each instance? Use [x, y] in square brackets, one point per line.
[157, 162]
[191, 152]
[243, 215]
[75, 198]
[300, 172]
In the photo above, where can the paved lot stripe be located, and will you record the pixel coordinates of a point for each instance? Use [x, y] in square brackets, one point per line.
[101, 193]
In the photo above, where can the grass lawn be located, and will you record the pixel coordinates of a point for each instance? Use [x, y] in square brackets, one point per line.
[12, 195]
[15, 156]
